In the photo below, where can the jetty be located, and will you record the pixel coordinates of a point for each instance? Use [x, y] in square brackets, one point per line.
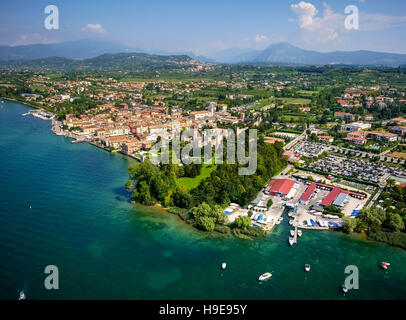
[39, 113]
[295, 236]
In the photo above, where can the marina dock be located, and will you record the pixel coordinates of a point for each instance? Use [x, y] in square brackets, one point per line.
[295, 237]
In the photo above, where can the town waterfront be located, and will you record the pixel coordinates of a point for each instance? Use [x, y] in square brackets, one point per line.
[65, 204]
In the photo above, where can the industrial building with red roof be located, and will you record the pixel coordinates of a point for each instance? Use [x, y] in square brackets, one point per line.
[281, 187]
[334, 193]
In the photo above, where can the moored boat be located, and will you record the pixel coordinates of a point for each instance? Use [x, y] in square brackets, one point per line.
[265, 276]
[344, 288]
[291, 241]
[292, 232]
[21, 296]
[299, 233]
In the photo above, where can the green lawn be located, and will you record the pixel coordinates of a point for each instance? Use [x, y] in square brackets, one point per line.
[191, 183]
[294, 100]
[287, 101]
[307, 93]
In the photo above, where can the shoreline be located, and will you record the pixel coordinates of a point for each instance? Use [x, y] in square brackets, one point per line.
[71, 135]
[25, 103]
[65, 133]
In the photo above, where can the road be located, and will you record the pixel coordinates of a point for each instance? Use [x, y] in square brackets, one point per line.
[302, 137]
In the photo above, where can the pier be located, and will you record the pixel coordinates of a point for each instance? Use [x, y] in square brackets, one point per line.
[295, 237]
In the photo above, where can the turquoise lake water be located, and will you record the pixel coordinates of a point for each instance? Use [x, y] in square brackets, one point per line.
[106, 248]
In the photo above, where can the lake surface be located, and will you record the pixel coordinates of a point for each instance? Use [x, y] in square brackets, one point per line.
[64, 204]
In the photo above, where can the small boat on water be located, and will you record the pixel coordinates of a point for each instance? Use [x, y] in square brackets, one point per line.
[21, 296]
[291, 222]
[290, 214]
[265, 276]
[278, 222]
[280, 219]
[344, 288]
[292, 232]
[385, 265]
[299, 232]
[291, 241]
[307, 267]
[223, 265]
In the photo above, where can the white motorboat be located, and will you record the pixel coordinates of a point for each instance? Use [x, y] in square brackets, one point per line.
[385, 265]
[278, 222]
[344, 288]
[290, 214]
[307, 267]
[291, 241]
[292, 233]
[280, 219]
[21, 296]
[299, 232]
[291, 222]
[265, 276]
[223, 265]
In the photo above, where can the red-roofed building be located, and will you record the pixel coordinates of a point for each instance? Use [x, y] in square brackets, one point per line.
[308, 193]
[335, 192]
[281, 187]
[329, 199]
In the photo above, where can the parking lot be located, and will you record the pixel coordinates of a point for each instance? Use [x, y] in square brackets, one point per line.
[310, 149]
[356, 168]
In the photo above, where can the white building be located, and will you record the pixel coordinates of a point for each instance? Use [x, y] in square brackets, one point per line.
[356, 126]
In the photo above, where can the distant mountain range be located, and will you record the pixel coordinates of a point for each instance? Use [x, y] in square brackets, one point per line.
[280, 53]
[81, 49]
[109, 62]
[285, 53]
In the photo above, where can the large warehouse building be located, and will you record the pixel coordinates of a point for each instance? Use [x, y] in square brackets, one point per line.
[336, 196]
[282, 187]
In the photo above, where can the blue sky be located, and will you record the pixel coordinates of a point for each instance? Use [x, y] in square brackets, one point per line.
[208, 26]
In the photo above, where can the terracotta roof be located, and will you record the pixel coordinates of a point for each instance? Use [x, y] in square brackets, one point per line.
[309, 191]
[281, 186]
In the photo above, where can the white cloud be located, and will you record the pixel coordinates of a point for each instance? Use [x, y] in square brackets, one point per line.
[94, 28]
[329, 26]
[305, 12]
[326, 27]
[260, 38]
[25, 39]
